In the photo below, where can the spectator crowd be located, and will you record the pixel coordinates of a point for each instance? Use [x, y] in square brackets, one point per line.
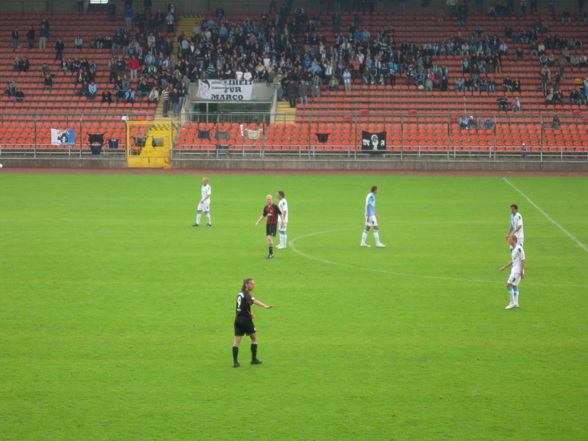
[287, 47]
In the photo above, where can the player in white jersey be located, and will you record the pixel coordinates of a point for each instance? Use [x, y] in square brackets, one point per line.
[371, 218]
[204, 204]
[516, 225]
[516, 273]
[283, 219]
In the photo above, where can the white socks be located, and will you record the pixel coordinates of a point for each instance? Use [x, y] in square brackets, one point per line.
[364, 236]
[511, 294]
[199, 213]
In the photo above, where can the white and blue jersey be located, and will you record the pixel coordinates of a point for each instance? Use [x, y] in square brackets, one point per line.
[370, 205]
[516, 220]
[517, 259]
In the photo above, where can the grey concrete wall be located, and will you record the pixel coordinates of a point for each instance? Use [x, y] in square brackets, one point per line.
[327, 165]
[371, 166]
[107, 164]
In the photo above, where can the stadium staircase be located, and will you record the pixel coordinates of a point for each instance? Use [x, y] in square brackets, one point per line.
[287, 114]
[184, 25]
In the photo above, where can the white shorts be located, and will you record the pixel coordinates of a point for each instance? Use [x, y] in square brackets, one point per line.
[514, 279]
[520, 240]
[371, 222]
[204, 207]
[281, 226]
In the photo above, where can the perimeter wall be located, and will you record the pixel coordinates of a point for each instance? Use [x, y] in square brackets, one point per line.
[327, 165]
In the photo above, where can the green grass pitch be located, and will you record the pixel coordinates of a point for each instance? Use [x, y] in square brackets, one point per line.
[116, 315]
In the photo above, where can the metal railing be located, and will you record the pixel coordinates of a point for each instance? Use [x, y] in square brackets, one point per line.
[343, 152]
[408, 137]
[495, 138]
[29, 135]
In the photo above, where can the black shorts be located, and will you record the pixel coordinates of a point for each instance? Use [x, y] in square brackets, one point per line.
[270, 230]
[244, 326]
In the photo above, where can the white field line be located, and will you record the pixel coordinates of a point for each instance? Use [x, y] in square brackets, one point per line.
[580, 244]
[393, 273]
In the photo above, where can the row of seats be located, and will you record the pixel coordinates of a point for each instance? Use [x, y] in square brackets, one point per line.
[424, 26]
[444, 135]
[64, 95]
[276, 136]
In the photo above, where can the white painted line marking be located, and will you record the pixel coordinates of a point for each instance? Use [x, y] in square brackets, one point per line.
[580, 244]
[393, 273]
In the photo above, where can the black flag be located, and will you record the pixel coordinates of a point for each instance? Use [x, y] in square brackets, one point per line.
[373, 142]
[322, 137]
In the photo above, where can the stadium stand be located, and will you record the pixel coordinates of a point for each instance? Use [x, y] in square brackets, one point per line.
[402, 108]
[417, 112]
[29, 124]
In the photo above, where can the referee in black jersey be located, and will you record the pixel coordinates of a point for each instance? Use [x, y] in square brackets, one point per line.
[244, 321]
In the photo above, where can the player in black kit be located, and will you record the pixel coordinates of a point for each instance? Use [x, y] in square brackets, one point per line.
[244, 321]
[271, 212]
